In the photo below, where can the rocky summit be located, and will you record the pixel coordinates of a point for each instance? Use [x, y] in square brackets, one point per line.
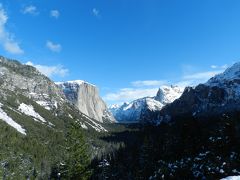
[137, 110]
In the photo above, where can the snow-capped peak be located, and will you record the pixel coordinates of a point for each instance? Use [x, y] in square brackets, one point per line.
[167, 94]
[114, 106]
[76, 82]
[132, 112]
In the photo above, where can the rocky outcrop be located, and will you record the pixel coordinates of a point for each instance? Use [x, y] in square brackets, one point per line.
[28, 81]
[86, 98]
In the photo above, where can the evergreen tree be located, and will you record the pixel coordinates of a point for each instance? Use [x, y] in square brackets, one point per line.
[78, 161]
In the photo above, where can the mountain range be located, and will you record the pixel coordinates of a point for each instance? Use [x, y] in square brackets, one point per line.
[36, 115]
[137, 109]
[218, 96]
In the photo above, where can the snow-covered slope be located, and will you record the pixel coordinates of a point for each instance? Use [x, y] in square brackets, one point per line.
[86, 98]
[10, 121]
[231, 178]
[29, 111]
[135, 110]
[167, 94]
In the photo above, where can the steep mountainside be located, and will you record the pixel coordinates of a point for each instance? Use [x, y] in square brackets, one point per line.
[29, 82]
[221, 94]
[34, 120]
[138, 109]
[86, 98]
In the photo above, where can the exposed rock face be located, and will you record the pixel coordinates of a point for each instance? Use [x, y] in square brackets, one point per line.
[27, 92]
[86, 98]
[139, 109]
[28, 81]
[221, 94]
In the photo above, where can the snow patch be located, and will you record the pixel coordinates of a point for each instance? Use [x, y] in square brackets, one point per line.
[76, 82]
[10, 121]
[83, 125]
[95, 125]
[231, 178]
[69, 115]
[29, 111]
[44, 104]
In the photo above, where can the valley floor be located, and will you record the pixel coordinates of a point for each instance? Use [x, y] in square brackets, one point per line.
[188, 149]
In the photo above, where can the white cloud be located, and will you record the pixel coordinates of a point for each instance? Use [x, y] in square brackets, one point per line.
[144, 88]
[148, 83]
[30, 10]
[202, 75]
[197, 78]
[53, 47]
[50, 71]
[96, 12]
[55, 13]
[7, 38]
[219, 67]
[213, 66]
[150, 87]
[138, 90]
[129, 94]
[192, 77]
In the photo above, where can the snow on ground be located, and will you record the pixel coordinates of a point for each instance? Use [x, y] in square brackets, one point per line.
[154, 105]
[84, 126]
[98, 126]
[44, 104]
[231, 178]
[76, 82]
[95, 125]
[29, 111]
[10, 121]
[167, 94]
[132, 111]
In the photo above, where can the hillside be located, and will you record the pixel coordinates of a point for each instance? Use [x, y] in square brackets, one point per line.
[35, 118]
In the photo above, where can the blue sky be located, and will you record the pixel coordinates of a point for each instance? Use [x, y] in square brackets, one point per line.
[128, 48]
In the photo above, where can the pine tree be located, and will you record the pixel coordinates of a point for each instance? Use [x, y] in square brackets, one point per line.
[78, 160]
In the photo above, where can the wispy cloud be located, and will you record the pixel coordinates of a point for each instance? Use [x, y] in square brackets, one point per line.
[7, 38]
[148, 83]
[139, 89]
[50, 71]
[55, 13]
[201, 75]
[219, 67]
[30, 10]
[96, 12]
[129, 94]
[192, 79]
[214, 66]
[54, 47]
[196, 78]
